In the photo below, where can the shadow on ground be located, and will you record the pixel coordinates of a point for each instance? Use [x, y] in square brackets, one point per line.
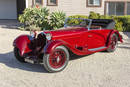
[9, 60]
[127, 33]
[124, 47]
[9, 24]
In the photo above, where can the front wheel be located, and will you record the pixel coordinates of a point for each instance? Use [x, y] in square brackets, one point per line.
[57, 60]
[18, 56]
[113, 43]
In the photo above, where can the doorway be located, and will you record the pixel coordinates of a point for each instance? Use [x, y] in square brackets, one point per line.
[21, 5]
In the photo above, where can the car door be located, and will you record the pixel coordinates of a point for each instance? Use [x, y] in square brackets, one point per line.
[95, 39]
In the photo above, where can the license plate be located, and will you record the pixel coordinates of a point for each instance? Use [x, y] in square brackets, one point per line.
[29, 60]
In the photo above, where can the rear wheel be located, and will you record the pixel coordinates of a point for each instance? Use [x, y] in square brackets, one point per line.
[18, 56]
[113, 43]
[57, 60]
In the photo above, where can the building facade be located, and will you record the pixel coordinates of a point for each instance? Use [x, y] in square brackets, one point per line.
[10, 9]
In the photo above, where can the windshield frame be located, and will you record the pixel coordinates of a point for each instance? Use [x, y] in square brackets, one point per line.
[88, 27]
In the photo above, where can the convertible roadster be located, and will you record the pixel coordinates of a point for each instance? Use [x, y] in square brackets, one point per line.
[52, 48]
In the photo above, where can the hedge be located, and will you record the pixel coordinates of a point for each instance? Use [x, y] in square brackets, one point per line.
[125, 20]
[122, 22]
[41, 18]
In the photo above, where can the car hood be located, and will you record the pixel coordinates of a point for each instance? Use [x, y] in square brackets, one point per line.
[66, 32]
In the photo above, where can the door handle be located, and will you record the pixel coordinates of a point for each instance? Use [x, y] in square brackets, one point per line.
[90, 35]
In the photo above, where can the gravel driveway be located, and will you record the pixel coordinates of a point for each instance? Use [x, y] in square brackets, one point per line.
[96, 70]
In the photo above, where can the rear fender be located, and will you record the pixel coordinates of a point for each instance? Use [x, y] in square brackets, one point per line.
[120, 38]
[21, 43]
[117, 33]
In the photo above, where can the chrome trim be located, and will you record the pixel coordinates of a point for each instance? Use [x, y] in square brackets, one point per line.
[30, 37]
[95, 49]
[89, 26]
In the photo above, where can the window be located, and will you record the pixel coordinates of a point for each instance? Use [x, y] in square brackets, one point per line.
[38, 2]
[95, 3]
[116, 8]
[52, 2]
[128, 8]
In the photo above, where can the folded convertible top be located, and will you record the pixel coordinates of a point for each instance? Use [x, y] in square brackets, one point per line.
[104, 23]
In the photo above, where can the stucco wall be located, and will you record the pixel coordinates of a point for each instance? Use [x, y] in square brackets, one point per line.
[29, 3]
[117, 0]
[72, 7]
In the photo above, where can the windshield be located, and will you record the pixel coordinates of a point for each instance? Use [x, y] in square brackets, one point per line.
[77, 22]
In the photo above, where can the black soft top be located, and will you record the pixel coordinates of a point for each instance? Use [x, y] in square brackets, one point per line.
[104, 23]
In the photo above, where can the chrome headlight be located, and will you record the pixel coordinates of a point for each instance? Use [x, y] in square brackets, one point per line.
[32, 33]
[48, 36]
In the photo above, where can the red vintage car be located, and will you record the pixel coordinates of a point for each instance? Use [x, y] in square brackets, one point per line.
[52, 48]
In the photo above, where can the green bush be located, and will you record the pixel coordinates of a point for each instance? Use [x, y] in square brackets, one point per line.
[57, 19]
[76, 21]
[105, 17]
[40, 19]
[94, 15]
[118, 26]
[125, 22]
[79, 16]
[122, 22]
[35, 18]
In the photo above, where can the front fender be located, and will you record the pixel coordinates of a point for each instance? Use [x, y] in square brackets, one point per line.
[52, 45]
[21, 43]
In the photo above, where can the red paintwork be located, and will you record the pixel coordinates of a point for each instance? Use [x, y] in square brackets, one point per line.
[114, 31]
[57, 59]
[73, 38]
[21, 43]
[80, 37]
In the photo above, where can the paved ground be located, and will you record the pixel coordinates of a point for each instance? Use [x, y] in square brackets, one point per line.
[96, 70]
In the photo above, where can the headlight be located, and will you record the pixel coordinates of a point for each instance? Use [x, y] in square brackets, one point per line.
[32, 34]
[30, 38]
[48, 36]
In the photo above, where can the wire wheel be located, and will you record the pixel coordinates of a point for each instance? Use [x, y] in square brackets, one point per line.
[57, 60]
[113, 43]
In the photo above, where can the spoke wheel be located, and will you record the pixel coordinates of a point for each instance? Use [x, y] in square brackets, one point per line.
[57, 60]
[113, 43]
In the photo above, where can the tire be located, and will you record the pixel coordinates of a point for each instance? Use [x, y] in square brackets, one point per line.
[18, 56]
[112, 43]
[57, 60]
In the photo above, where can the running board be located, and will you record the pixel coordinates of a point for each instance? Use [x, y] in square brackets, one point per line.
[95, 49]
